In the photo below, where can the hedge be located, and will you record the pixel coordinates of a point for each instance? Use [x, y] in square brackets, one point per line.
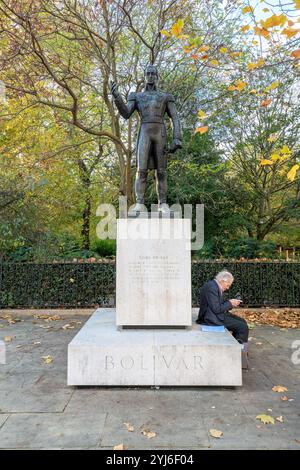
[92, 284]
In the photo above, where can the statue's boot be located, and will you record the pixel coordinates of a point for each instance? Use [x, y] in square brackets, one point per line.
[161, 188]
[140, 186]
[137, 209]
[164, 208]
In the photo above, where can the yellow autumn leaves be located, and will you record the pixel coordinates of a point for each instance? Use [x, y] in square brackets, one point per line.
[272, 86]
[175, 30]
[281, 21]
[296, 54]
[275, 21]
[256, 65]
[292, 173]
[202, 114]
[245, 28]
[239, 85]
[265, 103]
[202, 129]
[195, 48]
[281, 155]
[247, 9]
[198, 51]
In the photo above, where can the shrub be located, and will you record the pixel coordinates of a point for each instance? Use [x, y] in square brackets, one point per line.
[104, 247]
[248, 248]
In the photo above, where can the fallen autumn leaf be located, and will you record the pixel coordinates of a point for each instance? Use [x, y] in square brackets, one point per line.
[68, 326]
[8, 339]
[47, 359]
[129, 427]
[119, 447]
[149, 434]
[215, 433]
[279, 389]
[266, 419]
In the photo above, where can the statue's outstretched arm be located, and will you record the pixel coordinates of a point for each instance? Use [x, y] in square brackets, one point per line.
[125, 110]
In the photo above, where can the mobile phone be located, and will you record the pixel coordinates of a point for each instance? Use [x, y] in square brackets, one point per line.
[239, 297]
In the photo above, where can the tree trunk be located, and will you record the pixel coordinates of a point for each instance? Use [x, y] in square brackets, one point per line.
[260, 228]
[260, 235]
[85, 176]
[86, 215]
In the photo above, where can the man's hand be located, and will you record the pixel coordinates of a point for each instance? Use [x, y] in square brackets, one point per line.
[235, 302]
[114, 89]
[176, 144]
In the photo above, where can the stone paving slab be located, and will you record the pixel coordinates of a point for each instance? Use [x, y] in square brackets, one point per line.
[256, 382]
[255, 404]
[3, 418]
[170, 431]
[52, 431]
[39, 410]
[164, 401]
[17, 380]
[34, 400]
[244, 432]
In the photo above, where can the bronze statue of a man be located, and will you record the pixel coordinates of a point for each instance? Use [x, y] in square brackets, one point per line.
[151, 105]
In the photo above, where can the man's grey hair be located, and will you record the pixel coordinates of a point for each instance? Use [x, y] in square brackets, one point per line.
[224, 276]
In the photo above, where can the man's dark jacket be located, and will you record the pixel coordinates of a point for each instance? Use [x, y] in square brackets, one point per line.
[212, 304]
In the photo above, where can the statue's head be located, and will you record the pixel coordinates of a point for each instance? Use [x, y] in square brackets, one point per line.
[151, 75]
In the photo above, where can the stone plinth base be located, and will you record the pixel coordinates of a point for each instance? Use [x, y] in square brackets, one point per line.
[2, 352]
[101, 354]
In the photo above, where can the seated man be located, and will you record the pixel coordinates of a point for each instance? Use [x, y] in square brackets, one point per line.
[214, 310]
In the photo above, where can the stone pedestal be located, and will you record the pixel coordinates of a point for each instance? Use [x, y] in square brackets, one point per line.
[100, 354]
[153, 296]
[2, 352]
[153, 272]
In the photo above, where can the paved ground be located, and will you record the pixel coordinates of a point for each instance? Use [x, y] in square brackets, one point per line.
[38, 410]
